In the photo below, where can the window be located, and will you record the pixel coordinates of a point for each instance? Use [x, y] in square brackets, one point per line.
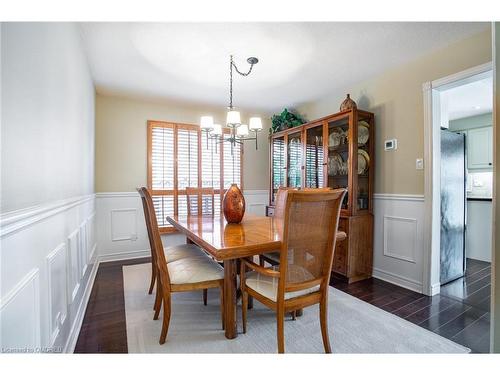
[196, 166]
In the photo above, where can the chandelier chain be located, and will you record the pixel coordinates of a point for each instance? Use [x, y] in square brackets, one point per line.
[231, 65]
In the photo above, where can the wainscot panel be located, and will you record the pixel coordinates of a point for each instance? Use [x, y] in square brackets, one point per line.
[398, 239]
[47, 273]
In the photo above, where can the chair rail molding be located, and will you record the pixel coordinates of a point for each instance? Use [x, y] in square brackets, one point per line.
[13, 221]
[121, 231]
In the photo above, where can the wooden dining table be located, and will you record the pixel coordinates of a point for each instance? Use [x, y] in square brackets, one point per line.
[229, 242]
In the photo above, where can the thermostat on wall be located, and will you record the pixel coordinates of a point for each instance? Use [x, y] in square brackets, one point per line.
[391, 144]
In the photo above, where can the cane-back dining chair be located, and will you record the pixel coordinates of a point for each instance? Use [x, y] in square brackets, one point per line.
[273, 258]
[181, 275]
[173, 253]
[309, 228]
[200, 201]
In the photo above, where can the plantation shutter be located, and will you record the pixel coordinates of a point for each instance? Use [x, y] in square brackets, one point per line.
[187, 164]
[161, 179]
[178, 158]
[232, 164]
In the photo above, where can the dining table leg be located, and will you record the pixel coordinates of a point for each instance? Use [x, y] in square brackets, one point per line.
[230, 298]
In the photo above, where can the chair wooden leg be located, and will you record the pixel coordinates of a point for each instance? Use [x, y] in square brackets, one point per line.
[294, 315]
[158, 300]
[280, 317]
[323, 318]
[244, 307]
[153, 278]
[221, 288]
[205, 296]
[166, 319]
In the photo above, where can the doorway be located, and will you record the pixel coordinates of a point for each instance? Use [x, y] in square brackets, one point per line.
[458, 190]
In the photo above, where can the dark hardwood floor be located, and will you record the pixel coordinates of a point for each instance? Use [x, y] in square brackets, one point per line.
[461, 312]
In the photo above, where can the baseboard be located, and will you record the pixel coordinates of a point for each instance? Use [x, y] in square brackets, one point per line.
[77, 324]
[397, 280]
[435, 289]
[111, 257]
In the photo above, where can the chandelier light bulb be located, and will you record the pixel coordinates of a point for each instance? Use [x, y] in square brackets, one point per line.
[207, 123]
[233, 119]
[255, 124]
[242, 131]
[217, 131]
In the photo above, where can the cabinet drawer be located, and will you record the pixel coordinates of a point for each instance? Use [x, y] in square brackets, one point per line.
[340, 258]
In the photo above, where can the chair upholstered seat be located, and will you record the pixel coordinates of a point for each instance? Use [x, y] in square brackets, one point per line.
[194, 270]
[182, 251]
[268, 286]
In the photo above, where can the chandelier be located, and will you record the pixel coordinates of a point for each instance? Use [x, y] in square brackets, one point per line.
[238, 131]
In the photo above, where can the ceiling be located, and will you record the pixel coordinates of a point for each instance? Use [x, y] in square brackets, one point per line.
[299, 62]
[471, 99]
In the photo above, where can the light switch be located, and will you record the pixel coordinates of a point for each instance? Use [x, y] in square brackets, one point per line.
[419, 164]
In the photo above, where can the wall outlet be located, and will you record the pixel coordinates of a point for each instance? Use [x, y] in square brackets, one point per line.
[419, 164]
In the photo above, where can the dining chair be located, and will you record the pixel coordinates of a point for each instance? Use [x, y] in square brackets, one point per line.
[309, 228]
[182, 275]
[197, 197]
[174, 253]
[273, 258]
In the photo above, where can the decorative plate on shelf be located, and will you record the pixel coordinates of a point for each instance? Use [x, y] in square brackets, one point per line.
[335, 138]
[335, 163]
[363, 132]
[363, 161]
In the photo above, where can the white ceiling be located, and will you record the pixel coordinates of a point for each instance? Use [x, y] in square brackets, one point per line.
[471, 99]
[299, 62]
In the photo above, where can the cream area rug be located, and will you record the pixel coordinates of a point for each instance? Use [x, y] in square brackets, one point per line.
[355, 326]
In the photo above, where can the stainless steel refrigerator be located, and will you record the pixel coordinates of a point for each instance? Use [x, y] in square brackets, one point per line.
[453, 205]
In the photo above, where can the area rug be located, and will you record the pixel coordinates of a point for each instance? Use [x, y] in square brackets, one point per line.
[355, 326]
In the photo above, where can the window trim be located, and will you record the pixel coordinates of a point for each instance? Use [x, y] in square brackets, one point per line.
[175, 191]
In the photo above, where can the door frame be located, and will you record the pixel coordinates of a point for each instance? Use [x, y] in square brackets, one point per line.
[432, 172]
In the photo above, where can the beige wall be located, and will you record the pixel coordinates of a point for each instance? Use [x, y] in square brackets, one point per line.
[396, 99]
[121, 154]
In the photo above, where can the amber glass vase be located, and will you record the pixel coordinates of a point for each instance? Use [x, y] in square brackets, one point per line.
[233, 204]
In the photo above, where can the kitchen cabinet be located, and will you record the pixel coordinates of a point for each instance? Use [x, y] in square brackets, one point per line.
[480, 148]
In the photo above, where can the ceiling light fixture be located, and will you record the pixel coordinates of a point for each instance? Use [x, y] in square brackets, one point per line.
[238, 132]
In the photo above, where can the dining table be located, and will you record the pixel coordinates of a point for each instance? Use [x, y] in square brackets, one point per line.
[229, 242]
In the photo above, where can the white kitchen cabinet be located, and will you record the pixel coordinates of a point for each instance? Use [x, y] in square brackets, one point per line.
[480, 148]
[479, 227]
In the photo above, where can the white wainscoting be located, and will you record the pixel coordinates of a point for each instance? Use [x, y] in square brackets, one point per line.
[48, 265]
[398, 239]
[121, 229]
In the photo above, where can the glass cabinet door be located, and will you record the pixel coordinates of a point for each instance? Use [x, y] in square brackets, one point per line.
[279, 164]
[294, 153]
[314, 158]
[364, 148]
[338, 156]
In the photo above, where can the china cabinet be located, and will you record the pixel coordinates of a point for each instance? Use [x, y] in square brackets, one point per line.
[336, 151]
